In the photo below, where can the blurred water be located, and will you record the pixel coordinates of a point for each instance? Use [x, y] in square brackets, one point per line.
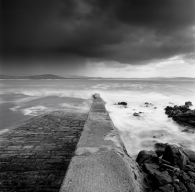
[21, 99]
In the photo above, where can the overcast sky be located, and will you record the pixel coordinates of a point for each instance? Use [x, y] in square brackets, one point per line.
[108, 38]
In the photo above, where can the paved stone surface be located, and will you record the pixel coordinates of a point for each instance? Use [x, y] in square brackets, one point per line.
[35, 155]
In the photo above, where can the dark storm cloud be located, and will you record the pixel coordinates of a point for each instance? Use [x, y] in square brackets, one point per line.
[128, 31]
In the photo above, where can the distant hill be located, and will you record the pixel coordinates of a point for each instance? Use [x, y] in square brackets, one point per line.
[51, 76]
[45, 76]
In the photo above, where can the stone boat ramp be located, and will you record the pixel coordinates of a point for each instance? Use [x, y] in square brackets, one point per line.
[67, 151]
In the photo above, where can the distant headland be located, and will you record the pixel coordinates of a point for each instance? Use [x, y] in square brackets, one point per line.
[44, 76]
[51, 76]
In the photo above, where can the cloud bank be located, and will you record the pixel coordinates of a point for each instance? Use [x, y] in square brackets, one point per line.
[125, 31]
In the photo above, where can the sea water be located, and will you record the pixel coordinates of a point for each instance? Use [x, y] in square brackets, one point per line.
[22, 99]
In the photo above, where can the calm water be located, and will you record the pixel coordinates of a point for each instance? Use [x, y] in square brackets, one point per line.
[22, 99]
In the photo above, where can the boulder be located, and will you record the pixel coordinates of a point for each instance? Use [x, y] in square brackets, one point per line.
[190, 186]
[176, 111]
[184, 177]
[147, 103]
[122, 103]
[179, 187]
[150, 168]
[188, 131]
[190, 167]
[136, 114]
[192, 175]
[146, 157]
[160, 148]
[188, 103]
[159, 178]
[165, 188]
[176, 156]
[187, 117]
[190, 154]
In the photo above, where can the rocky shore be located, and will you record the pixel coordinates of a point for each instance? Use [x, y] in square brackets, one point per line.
[182, 114]
[169, 168]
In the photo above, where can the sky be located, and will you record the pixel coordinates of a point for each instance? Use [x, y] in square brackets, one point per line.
[98, 38]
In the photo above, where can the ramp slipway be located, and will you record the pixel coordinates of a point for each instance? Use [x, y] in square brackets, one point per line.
[101, 163]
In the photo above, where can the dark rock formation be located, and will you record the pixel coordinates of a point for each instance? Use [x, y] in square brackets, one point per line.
[190, 186]
[188, 103]
[176, 156]
[165, 188]
[160, 148]
[147, 104]
[182, 114]
[191, 155]
[188, 131]
[122, 103]
[136, 114]
[174, 172]
[179, 187]
[146, 157]
[160, 178]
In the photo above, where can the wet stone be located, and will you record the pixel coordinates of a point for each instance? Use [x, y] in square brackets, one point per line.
[35, 156]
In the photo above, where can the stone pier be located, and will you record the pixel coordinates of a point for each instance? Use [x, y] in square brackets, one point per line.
[67, 151]
[101, 163]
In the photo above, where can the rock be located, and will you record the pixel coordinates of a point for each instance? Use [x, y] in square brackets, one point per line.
[192, 175]
[188, 103]
[147, 104]
[159, 178]
[188, 131]
[189, 168]
[146, 157]
[151, 169]
[190, 186]
[165, 188]
[190, 154]
[176, 156]
[122, 103]
[181, 114]
[160, 148]
[179, 187]
[136, 114]
[155, 107]
[163, 178]
[157, 136]
[184, 177]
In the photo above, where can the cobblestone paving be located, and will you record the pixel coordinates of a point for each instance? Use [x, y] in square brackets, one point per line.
[35, 155]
